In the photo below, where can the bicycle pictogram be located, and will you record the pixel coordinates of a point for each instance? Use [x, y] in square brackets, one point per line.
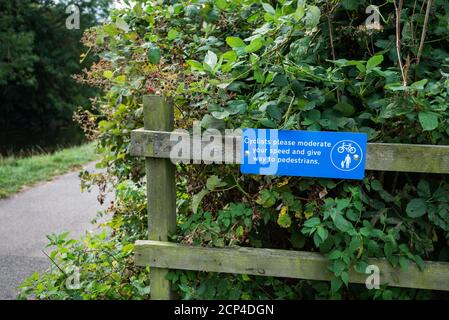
[346, 147]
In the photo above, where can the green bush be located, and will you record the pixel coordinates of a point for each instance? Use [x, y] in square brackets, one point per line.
[292, 65]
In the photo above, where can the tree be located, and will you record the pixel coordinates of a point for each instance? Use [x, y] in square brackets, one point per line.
[38, 56]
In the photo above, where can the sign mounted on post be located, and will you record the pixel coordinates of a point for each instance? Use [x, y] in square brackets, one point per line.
[304, 153]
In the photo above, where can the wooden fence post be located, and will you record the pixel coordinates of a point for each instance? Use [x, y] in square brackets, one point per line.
[161, 190]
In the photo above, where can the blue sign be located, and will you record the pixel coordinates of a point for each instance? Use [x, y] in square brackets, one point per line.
[304, 153]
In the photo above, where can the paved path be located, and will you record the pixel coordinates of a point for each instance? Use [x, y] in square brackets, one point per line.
[26, 218]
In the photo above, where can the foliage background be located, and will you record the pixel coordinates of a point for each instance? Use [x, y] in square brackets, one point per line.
[308, 65]
[38, 56]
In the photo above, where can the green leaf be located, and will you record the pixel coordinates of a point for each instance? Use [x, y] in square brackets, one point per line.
[313, 115]
[345, 108]
[128, 248]
[154, 54]
[245, 277]
[229, 56]
[419, 262]
[342, 204]
[312, 17]
[121, 24]
[396, 86]
[235, 42]
[172, 34]
[342, 224]
[267, 123]
[387, 295]
[219, 242]
[197, 198]
[236, 107]
[195, 65]
[111, 29]
[374, 62]
[255, 45]
[418, 85]
[274, 112]
[416, 208]
[221, 114]
[266, 198]
[226, 222]
[221, 4]
[428, 120]
[389, 249]
[312, 222]
[361, 266]
[299, 13]
[108, 74]
[323, 233]
[268, 8]
[211, 59]
[423, 189]
[360, 65]
[280, 80]
[284, 220]
[121, 79]
[239, 232]
[352, 215]
[376, 185]
[345, 278]
[350, 4]
[317, 240]
[335, 254]
[214, 182]
[403, 262]
[336, 284]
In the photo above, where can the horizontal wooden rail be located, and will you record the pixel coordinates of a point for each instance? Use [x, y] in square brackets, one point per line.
[380, 156]
[281, 263]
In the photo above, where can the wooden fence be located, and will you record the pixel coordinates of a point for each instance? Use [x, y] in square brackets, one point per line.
[154, 144]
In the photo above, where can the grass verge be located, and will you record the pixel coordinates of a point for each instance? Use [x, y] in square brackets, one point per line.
[16, 173]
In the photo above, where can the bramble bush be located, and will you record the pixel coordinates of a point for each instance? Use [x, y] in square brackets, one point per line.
[296, 65]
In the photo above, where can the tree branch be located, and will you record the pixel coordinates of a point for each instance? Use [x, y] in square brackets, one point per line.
[331, 40]
[424, 31]
[398, 38]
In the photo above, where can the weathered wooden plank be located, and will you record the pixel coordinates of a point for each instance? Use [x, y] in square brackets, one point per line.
[380, 156]
[280, 263]
[161, 191]
[159, 144]
[407, 157]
